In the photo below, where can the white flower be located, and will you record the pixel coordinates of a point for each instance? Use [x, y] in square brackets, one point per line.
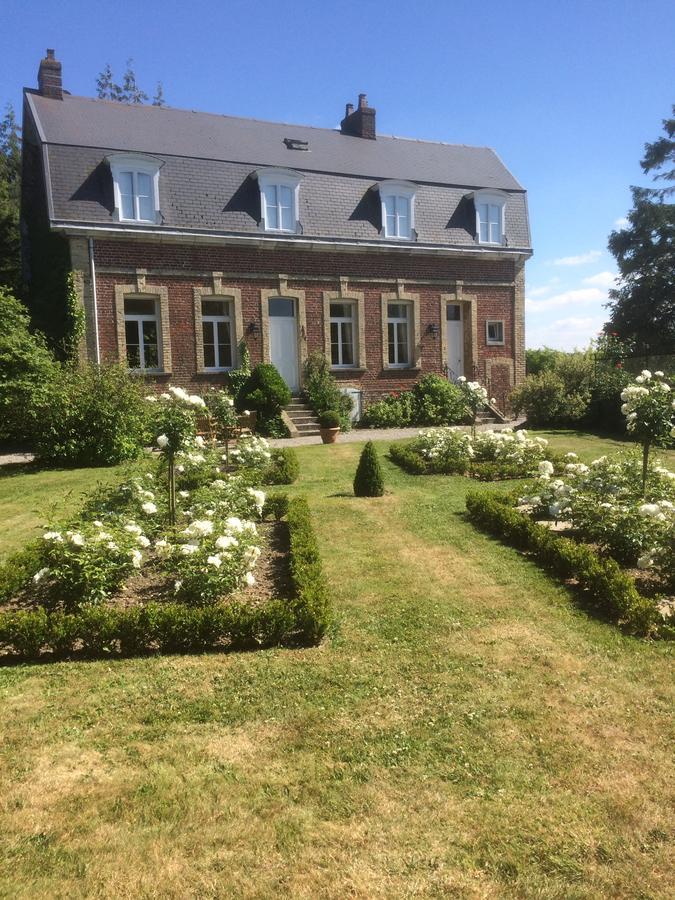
[143, 541]
[179, 393]
[133, 528]
[258, 497]
[645, 561]
[188, 549]
[177, 586]
[461, 379]
[232, 523]
[646, 374]
[200, 526]
[75, 538]
[151, 398]
[40, 575]
[545, 467]
[493, 401]
[214, 561]
[225, 541]
[111, 545]
[98, 523]
[195, 400]
[571, 456]
[249, 578]
[53, 536]
[184, 494]
[149, 508]
[162, 441]
[246, 412]
[200, 442]
[649, 510]
[136, 558]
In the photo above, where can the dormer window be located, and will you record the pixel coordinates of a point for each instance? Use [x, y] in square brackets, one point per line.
[398, 209]
[135, 188]
[279, 194]
[490, 207]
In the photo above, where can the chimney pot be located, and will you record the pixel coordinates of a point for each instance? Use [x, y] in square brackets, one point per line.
[359, 122]
[49, 77]
[349, 109]
[363, 102]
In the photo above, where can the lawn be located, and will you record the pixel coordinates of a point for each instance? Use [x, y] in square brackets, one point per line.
[465, 731]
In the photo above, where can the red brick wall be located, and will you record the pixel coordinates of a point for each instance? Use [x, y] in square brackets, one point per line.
[492, 301]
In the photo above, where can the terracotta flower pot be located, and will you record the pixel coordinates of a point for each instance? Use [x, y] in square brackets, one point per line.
[329, 435]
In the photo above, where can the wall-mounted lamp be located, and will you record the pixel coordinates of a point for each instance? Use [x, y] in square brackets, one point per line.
[432, 329]
[252, 328]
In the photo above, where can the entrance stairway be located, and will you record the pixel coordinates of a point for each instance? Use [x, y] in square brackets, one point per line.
[302, 417]
[486, 416]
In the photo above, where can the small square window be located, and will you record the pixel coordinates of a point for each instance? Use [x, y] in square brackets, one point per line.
[495, 331]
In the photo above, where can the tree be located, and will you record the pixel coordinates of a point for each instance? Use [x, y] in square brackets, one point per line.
[10, 201]
[643, 305]
[129, 91]
[368, 481]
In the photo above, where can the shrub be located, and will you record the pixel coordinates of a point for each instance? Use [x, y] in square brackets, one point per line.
[283, 468]
[95, 416]
[266, 392]
[438, 402]
[604, 409]
[329, 419]
[312, 608]
[546, 401]
[18, 569]
[394, 411]
[368, 481]
[322, 390]
[26, 370]
[236, 378]
[602, 583]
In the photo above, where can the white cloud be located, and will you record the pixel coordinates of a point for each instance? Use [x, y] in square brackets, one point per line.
[602, 280]
[622, 222]
[580, 260]
[567, 298]
[566, 334]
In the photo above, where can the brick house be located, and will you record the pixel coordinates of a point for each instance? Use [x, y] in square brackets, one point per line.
[189, 231]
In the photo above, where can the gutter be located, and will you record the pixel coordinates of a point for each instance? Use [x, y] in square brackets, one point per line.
[92, 271]
[173, 236]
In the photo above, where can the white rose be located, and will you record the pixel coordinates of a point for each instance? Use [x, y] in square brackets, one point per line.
[149, 508]
[162, 441]
[214, 561]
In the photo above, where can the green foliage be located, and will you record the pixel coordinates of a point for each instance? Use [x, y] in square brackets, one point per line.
[220, 406]
[322, 390]
[266, 392]
[311, 607]
[10, 201]
[74, 328]
[545, 400]
[18, 569]
[95, 416]
[601, 583]
[432, 401]
[543, 359]
[394, 411]
[369, 481]
[643, 305]
[329, 419]
[283, 467]
[128, 91]
[236, 378]
[26, 371]
[604, 408]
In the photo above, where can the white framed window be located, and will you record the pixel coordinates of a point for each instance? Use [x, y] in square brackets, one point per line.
[279, 196]
[398, 209]
[217, 335]
[135, 188]
[342, 334]
[494, 331]
[490, 207]
[398, 334]
[141, 334]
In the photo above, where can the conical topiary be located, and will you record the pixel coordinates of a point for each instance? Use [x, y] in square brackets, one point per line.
[368, 481]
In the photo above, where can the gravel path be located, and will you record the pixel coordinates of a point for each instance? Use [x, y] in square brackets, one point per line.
[374, 434]
[12, 459]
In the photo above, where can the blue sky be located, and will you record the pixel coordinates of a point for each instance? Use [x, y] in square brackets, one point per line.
[566, 92]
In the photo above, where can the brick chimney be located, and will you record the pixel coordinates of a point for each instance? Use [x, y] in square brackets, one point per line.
[359, 122]
[49, 77]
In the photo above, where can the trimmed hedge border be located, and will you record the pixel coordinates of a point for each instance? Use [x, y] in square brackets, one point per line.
[414, 464]
[97, 631]
[602, 584]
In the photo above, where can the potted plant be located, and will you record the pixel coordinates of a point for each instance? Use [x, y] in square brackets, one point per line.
[329, 424]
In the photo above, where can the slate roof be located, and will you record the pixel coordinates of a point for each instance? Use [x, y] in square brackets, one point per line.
[206, 184]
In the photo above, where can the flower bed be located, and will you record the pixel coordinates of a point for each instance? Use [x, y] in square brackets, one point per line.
[487, 455]
[167, 562]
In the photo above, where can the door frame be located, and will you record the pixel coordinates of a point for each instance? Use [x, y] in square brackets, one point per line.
[300, 319]
[460, 323]
[468, 304]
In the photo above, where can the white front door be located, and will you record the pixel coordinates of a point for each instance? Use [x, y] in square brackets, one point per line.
[284, 340]
[455, 331]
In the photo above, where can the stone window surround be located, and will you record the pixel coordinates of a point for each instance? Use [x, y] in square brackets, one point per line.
[488, 342]
[218, 291]
[301, 319]
[401, 296]
[143, 291]
[358, 299]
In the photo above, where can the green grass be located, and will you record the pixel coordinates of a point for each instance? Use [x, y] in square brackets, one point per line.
[465, 732]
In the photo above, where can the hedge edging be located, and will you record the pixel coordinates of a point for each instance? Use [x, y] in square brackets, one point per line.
[602, 584]
[96, 631]
[414, 464]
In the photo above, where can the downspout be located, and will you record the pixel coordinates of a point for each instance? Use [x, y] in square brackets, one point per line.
[92, 271]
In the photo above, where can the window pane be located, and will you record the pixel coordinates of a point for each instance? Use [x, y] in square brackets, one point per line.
[209, 348]
[126, 184]
[398, 311]
[334, 344]
[391, 330]
[341, 310]
[484, 234]
[281, 306]
[402, 344]
[347, 344]
[215, 308]
[224, 344]
[286, 206]
[145, 199]
[452, 312]
[271, 212]
[494, 214]
[495, 332]
[133, 345]
[139, 307]
[150, 349]
[403, 209]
